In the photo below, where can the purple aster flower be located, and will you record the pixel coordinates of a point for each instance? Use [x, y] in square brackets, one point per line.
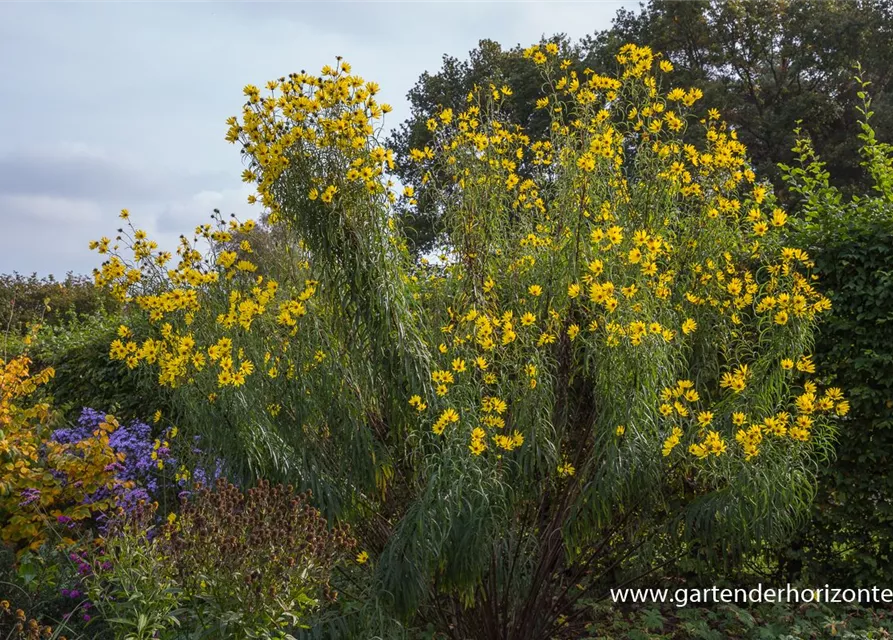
[199, 476]
[218, 469]
[29, 496]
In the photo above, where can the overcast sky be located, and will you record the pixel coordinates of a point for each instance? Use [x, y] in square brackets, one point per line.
[111, 105]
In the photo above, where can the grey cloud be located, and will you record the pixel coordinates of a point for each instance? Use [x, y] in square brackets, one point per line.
[92, 175]
[373, 22]
[38, 210]
[46, 234]
[182, 216]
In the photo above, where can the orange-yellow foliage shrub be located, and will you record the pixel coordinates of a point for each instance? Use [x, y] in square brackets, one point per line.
[42, 482]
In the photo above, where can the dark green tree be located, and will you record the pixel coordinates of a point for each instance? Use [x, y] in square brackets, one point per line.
[764, 65]
[767, 65]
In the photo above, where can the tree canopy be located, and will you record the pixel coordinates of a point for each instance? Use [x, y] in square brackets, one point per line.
[765, 65]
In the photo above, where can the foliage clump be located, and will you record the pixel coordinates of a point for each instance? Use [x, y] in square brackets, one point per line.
[231, 564]
[850, 538]
[764, 65]
[29, 300]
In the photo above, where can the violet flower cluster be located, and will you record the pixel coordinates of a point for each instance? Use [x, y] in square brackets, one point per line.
[141, 476]
[142, 455]
[134, 440]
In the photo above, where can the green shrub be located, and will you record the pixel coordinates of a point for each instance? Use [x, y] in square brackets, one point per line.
[28, 300]
[85, 374]
[850, 539]
[230, 565]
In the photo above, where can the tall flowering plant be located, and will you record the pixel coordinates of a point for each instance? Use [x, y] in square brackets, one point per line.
[614, 345]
